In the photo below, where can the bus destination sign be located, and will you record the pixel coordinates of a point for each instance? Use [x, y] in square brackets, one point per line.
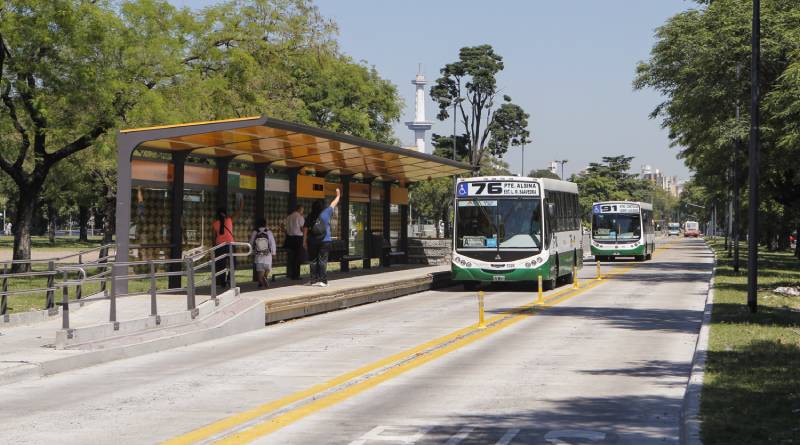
[615, 208]
[498, 188]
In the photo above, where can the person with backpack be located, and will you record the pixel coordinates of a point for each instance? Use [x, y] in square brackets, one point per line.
[263, 242]
[317, 239]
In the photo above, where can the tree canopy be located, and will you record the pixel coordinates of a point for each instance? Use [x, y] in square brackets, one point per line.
[72, 72]
[700, 63]
[470, 83]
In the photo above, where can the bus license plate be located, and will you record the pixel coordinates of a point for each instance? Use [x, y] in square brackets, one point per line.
[498, 278]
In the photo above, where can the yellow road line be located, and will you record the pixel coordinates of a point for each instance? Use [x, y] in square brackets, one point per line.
[246, 416]
[261, 410]
[276, 423]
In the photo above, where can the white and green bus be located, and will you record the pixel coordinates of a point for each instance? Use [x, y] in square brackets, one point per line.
[622, 228]
[510, 228]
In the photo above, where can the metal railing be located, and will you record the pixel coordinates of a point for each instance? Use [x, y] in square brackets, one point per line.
[112, 273]
[53, 270]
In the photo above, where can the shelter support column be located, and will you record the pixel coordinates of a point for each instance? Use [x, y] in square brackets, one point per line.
[222, 182]
[261, 173]
[368, 228]
[387, 237]
[344, 222]
[293, 172]
[176, 216]
[404, 231]
[126, 144]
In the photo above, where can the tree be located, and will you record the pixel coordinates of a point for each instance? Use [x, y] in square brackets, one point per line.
[72, 71]
[700, 63]
[471, 85]
[543, 173]
[69, 72]
[609, 180]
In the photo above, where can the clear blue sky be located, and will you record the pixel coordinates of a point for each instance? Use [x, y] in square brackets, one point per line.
[569, 63]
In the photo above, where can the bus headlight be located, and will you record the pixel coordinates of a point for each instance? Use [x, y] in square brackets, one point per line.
[527, 264]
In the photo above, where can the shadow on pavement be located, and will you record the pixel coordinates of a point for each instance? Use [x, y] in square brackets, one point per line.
[670, 320]
[649, 368]
[620, 419]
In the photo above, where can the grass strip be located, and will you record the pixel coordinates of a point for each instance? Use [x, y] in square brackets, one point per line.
[751, 391]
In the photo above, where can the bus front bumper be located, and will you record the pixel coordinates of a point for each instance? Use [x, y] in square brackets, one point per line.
[613, 251]
[519, 274]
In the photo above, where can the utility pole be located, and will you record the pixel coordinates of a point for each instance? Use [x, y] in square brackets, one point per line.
[752, 239]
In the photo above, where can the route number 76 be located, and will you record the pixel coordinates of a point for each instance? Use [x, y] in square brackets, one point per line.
[491, 188]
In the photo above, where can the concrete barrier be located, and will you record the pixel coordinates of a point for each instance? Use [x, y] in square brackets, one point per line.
[326, 301]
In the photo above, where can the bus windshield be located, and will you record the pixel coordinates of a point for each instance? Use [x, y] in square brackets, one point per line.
[499, 223]
[616, 226]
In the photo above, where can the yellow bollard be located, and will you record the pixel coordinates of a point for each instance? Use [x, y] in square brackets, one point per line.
[481, 322]
[540, 300]
[575, 277]
[599, 275]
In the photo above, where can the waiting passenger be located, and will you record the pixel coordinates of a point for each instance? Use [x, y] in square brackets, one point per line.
[294, 242]
[263, 242]
[317, 239]
[223, 233]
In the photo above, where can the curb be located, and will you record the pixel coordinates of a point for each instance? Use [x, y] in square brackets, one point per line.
[690, 408]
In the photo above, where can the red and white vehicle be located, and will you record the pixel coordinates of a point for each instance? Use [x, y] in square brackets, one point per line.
[691, 228]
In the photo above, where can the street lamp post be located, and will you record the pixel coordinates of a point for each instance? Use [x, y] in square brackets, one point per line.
[752, 239]
[522, 173]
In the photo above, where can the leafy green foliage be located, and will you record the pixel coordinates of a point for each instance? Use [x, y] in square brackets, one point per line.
[543, 173]
[701, 64]
[609, 180]
[470, 84]
[73, 71]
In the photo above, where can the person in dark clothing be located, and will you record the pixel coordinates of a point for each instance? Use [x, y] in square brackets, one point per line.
[317, 239]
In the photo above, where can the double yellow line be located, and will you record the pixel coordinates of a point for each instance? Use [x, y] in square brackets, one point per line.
[397, 364]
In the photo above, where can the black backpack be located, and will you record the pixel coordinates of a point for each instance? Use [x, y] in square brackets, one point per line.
[318, 230]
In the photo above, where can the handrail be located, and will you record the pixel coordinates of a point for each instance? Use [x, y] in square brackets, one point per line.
[107, 271]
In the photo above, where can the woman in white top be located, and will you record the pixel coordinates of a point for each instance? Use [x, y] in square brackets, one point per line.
[263, 242]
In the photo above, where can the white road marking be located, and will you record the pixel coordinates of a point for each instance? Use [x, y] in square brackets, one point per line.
[461, 435]
[556, 436]
[508, 436]
[377, 434]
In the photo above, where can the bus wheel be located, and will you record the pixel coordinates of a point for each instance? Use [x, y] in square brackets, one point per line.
[639, 257]
[569, 278]
[649, 256]
[471, 285]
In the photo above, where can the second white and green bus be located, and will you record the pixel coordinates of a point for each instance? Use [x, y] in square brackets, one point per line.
[622, 229]
[510, 228]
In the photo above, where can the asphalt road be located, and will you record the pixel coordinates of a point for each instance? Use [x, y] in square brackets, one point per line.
[606, 363]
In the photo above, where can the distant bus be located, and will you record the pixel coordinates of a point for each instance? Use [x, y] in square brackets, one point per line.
[510, 228]
[622, 228]
[691, 228]
[674, 229]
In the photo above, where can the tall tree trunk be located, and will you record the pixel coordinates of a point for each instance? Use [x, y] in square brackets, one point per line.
[109, 217]
[21, 227]
[83, 223]
[51, 222]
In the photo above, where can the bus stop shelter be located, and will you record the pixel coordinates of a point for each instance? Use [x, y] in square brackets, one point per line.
[171, 179]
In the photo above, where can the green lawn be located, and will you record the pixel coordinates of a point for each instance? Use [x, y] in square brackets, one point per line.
[751, 392]
[61, 243]
[36, 301]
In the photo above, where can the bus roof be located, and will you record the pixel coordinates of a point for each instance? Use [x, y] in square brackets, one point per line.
[644, 205]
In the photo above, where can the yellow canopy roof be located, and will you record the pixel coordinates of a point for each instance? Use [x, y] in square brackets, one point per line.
[286, 144]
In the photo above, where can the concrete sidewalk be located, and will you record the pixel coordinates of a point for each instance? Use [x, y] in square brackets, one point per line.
[29, 351]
